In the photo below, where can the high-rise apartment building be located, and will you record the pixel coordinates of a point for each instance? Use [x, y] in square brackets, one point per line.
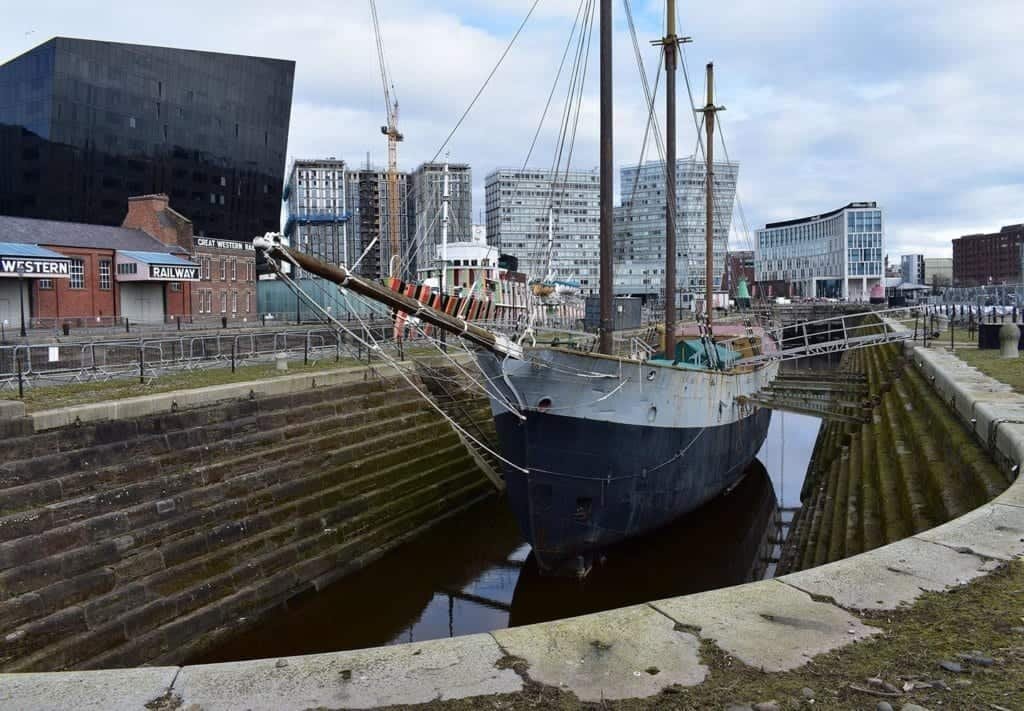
[640, 227]
[369, 225]
[426, 195]
[86, 124]
[317, 209]
[834, 255]
[533, 212]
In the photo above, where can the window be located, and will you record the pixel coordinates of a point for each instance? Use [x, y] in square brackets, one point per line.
[205, 262]
[77, 274]
[234, 270]
[128, 268]
[223, 269]
[45, 283]
[248, 302]
[223, 302]
[105, 274]
[234, 302]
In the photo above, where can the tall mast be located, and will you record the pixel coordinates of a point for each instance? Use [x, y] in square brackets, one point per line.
[709, 111]
[606, 168]
[670, 43]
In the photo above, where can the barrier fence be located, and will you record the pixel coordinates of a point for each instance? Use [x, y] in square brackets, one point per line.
[35, 364]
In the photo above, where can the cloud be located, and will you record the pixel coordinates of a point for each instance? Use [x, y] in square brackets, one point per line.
[908, 102]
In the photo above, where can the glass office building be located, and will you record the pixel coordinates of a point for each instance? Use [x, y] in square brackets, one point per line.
[639, 245]
[835, 255]
[525, 206]
[86, 124]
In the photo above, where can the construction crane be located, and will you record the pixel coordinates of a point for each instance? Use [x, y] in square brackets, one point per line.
[394, 137]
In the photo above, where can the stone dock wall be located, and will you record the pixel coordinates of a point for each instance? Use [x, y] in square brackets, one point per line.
[911, 468]
[142, 539]
[772, 625]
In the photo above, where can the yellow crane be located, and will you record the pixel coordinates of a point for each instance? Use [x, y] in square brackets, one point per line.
[394, 137]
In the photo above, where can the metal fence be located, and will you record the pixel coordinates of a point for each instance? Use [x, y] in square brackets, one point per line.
[34, 364]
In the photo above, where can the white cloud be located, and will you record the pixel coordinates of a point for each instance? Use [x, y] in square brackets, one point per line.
[908, 102]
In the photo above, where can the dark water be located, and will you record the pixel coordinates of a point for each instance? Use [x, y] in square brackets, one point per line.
[473, 573]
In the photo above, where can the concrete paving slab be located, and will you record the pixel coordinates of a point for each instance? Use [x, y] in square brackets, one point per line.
[1014, 496]
[107, 690]
[887, 577]
[402, 674]
[767, 625]
[631, 652]
[994, 531]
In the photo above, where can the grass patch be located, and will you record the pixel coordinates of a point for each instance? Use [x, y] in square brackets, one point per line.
[48, 397]
[1005, 370]
[985, 615]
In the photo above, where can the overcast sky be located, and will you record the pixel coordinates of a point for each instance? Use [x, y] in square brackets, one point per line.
[913, 103]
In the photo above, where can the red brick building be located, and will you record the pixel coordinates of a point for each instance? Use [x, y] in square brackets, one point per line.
[996, 258]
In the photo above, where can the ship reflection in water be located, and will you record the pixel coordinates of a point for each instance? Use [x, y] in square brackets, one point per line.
[474, 574]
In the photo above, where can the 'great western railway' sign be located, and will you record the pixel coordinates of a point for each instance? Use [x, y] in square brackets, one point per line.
[39, 268]
[175, 273]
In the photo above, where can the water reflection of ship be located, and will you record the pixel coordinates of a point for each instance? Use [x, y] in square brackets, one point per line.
[726, 542]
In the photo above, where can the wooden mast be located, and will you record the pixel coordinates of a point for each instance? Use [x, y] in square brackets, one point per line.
[607, 325]
[670, 44]
[709, 111]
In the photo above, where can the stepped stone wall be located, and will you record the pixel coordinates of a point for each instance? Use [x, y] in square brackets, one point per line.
[140, 541]
[913, 467]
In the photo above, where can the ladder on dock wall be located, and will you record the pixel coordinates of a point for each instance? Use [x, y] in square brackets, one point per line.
[823, 337]
[837, 396]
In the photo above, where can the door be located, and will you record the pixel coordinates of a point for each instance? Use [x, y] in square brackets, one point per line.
[142, 302]
[9, 302]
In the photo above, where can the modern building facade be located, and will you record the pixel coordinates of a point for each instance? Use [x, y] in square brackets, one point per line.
[369, 225]
[86, 124]
[315, 196]
[912, 268]
[549, 222]
[983, 259]
[938, 271]
[639, 245]
[426, 195]
[834, 255]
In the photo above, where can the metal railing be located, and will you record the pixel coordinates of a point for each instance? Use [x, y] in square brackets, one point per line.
[36, 364]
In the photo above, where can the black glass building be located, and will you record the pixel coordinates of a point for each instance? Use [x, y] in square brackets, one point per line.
[86, 124]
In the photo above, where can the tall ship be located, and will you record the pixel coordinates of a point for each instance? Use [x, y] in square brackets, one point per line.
[602, 446]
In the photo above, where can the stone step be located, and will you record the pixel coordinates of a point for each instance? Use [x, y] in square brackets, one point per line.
[39, 648]
[60, 504]
[52, 556]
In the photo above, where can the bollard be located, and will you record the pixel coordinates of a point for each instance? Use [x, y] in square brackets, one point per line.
[127, 326]
[21, 380]
[142, 367]
[234, 349]
[305, 354]
[178, 319]
[281, 361]
[1009, 337]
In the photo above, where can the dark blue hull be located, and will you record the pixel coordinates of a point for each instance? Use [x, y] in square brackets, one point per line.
[592, 483]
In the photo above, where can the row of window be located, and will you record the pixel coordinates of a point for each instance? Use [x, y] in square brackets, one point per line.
[206, 298]
[248, 268]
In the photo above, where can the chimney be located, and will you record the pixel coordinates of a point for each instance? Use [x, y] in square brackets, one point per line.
[153, 215]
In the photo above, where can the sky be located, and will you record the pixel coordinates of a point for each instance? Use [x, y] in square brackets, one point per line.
[911, 103]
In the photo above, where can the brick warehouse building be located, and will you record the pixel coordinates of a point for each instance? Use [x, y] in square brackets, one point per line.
[152, 269]
[996, 258]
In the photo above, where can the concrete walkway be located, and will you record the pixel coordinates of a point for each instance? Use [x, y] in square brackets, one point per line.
[634, 652]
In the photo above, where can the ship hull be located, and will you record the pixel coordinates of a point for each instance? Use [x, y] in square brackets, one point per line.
[601, 459]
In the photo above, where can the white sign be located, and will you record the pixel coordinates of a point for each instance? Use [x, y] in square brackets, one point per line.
[182, 273]
[223, 244]
[35, 267]
[53, 354]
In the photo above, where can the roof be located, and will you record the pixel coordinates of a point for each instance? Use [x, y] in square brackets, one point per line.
[24, 230]
[156, 258]
[815, 218]
[28, 251]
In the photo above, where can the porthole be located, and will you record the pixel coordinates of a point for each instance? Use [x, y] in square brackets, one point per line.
[544, 405]
[652, 414]
[650, 376]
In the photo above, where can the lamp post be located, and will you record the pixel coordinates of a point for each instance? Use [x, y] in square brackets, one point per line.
[21, 300]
